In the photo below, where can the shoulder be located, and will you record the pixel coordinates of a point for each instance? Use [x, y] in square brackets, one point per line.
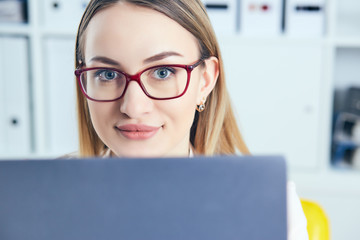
[296, 218]
[70, 155]
[106, 153]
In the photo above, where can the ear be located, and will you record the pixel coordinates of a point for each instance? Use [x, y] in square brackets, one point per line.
[209, 77]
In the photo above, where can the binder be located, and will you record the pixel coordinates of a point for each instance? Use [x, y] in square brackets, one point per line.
[261, 18]
[60, 108]
[2, 101]
[305, 18]
[15, 101]
[223, 15]
[63, 14]
[12, 11]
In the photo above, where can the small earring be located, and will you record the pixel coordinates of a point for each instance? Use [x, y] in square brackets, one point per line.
[201, 107]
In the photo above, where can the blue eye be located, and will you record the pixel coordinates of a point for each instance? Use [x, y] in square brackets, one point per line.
[109, 75]
[106, 75]
[163, 73]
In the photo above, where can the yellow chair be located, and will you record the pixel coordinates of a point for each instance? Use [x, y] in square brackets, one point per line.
[317, 221]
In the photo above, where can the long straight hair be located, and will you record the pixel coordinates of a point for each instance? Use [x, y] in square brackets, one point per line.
[215, 130]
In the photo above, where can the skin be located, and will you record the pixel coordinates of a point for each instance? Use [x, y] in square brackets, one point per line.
[132, 38]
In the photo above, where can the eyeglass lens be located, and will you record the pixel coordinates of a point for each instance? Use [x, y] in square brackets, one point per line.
[158, 82]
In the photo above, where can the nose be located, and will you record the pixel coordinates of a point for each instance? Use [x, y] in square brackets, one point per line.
[135, 103]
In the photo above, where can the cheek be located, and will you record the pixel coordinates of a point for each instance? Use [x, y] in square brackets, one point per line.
[100, 114]
[181, 111]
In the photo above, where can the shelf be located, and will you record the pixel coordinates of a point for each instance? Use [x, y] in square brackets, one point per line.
[347, 42]
[15, 28]
[52, 32]
[268, 40]
[332, 181]
[29, 156]
[346, 28]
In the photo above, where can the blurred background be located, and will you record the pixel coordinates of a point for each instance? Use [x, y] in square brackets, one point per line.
[292, 69]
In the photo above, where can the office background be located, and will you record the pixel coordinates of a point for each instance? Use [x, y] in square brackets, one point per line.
[292, 72]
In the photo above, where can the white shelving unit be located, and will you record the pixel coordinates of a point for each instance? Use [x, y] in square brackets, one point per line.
[336, 189]
[282, 88]
[41, 31]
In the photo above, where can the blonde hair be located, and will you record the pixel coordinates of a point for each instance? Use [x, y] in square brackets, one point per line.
[215, 130]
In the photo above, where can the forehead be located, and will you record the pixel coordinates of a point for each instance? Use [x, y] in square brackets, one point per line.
[132, 32]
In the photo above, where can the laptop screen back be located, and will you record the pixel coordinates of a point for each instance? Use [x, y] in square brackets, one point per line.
[217, 198]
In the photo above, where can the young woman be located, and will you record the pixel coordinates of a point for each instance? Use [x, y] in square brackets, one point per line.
[151, 84]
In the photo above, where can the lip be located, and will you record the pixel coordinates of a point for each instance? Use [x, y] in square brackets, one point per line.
[137, 131]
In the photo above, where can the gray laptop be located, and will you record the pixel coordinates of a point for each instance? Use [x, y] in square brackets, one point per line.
[215, 198]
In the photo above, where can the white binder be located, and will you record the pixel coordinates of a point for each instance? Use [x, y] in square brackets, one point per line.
[222, 14]
[261, 18]
[12, 11]
[63, 14]
[305, 18]
[15, 120]
[62, 134]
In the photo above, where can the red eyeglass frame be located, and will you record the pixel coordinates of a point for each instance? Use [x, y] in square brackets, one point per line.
[136, 78]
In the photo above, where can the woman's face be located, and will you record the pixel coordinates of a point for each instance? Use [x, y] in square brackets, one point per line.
[131, 38]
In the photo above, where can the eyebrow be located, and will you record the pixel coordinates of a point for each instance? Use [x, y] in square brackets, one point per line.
[154, 58]
[161, 56]
[105, 60]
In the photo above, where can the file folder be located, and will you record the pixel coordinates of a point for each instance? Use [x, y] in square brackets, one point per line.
[261, 18]
[12, 11]
[62, 134]
[305, 18]
[222, 14]
[63, 14]
[15, 100]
